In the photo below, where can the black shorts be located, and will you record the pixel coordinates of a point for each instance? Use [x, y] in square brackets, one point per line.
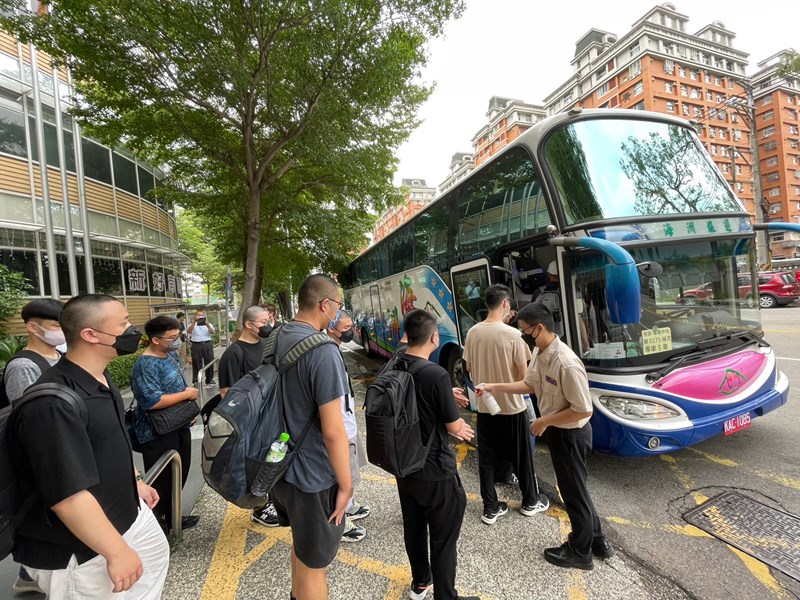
[315, 540]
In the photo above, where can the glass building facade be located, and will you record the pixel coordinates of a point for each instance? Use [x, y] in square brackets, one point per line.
[118, 237]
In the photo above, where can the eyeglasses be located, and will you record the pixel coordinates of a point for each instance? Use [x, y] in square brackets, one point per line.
[525, 330]
[167, 339]
[260, 323]
[331, 300]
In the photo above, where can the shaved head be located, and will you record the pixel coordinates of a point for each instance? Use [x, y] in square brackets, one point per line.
[315, 289]
[88, 310]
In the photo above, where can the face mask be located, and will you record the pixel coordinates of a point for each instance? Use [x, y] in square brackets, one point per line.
[346, 336]
[51, 337]
[332, 323]
[175, 344]
[530, 339]
[127, 342]
[264, 331]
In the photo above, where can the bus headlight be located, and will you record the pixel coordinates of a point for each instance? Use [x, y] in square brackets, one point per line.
[636, 409]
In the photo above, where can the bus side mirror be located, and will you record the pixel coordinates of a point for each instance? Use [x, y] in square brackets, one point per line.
[623, 293]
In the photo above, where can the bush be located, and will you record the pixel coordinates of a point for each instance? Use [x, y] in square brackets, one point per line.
[13, 293]
[9, 346]
[120, 369]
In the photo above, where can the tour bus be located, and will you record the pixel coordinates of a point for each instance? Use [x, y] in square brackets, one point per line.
[633, 212]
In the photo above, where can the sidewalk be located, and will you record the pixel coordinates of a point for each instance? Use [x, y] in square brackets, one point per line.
[228, 557]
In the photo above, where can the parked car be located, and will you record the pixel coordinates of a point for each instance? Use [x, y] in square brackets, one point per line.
[775, 288]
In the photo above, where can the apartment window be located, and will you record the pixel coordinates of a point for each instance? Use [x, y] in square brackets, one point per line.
[722, 133]
[698, 112]
[739, 186]
[682, 71]
[638, 88]
[734, 118]
[712, 132]
[793, 129]
[670, 106]
[766, 100]
[685, 109]
[771, 145]
[693, 75]
[602, 90]
[717, 81]
[709, 96]
[725, 167]
[773, 177]
[737, 134]
[668, 86]
[774, 192]
[713, 149]
[684, 91]
[669, 66]
[794, 160]
[707, 77]
[722, 115]
[768, 131]
[634, 50]
[636, 68]
[695, 94]
[639, 105]
[772, 161]
[768, 115]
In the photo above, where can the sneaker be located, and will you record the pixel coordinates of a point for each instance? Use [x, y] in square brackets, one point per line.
[513, 480]
[266, 516]
[542, 504]
[212, 382]
[352, 532]
[602, 549]
[358, 511]
[490, 517]
[26, 585]
[564, 556]
[419, 591]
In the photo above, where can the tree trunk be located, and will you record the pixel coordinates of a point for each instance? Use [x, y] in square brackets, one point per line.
[253, 232]
[256, 299]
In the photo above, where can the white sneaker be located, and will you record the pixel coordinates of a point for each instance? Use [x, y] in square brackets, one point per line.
[358, 511]
[352, 532]
[542, 504]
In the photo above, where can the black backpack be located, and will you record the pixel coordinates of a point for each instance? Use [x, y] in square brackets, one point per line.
[37, 358]
[394, 440]
[243, 426]
[14, 502]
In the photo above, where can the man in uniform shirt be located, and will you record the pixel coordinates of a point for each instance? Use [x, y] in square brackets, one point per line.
[241, 357]
[558, 378]
[90, 530]
[200, 332]
[494, 351]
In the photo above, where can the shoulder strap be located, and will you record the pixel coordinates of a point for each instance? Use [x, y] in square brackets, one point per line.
[32, 356]
[302, 347]
[49, 390]
[272, 340]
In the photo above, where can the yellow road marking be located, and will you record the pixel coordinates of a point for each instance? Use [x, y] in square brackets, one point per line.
[758, 569]
[781, 331]
[576, 586]
[726, 462]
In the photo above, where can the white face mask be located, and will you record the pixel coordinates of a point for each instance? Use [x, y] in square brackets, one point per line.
[51, 337]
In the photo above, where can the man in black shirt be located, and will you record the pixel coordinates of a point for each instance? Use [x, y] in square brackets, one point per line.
[433, 498]
[90, 531]
[244, 355]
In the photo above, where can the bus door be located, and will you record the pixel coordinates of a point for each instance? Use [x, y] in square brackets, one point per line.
[378, 323]
[469, 282]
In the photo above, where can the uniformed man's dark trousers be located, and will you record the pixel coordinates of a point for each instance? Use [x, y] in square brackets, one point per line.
[202, 354]
[568, 449]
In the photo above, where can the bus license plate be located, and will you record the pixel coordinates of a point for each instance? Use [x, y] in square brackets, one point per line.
[737, 423]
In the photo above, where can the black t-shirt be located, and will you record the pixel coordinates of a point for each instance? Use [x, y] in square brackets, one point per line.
[57, 456]
[436, 406]
[238, 360]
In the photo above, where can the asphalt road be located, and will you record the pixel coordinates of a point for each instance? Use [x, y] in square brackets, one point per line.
[642, 499]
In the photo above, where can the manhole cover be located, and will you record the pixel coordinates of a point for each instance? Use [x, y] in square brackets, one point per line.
[768, 534]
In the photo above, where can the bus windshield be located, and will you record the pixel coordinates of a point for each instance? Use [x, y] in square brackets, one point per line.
[608, 168]
[703, 299]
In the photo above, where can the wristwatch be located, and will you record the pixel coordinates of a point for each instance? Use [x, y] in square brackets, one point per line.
[139, 475]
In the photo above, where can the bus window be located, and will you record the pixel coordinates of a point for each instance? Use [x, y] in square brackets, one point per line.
[469, 288]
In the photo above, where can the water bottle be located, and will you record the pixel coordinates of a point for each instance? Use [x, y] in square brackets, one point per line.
[489, 400]
[278, 449]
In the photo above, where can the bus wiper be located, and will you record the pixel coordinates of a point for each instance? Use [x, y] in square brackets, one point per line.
[747, 334]
[681, 357]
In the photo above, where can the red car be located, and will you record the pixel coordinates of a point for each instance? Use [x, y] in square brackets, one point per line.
[775, 288]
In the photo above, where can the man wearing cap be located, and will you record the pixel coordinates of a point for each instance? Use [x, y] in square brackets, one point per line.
[549, 295]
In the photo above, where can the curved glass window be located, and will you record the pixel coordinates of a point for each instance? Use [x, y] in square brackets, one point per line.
[608, 168]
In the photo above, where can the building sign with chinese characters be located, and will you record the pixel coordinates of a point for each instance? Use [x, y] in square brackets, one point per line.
[136, 281]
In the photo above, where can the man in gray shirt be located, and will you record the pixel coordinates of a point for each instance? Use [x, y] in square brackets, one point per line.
[313, 496]
[44, 334]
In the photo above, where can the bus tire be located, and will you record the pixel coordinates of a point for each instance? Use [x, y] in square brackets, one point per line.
[455, 366]
[365, 343]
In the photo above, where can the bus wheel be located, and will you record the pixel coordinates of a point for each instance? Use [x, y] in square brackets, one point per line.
[456, 368]
[365, 343]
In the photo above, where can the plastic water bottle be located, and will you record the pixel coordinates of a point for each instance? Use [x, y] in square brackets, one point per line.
[278, 449]
[489, 400]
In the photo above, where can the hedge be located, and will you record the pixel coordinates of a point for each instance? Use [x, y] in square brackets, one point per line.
[120, 369]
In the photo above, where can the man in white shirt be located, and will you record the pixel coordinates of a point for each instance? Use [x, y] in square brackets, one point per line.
[200, 332]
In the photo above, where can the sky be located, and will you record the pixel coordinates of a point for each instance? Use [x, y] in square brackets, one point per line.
[522, 49]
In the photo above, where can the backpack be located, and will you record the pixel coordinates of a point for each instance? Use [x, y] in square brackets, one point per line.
[37, 358]
[394, 440]
[14, 503]
[243, 426]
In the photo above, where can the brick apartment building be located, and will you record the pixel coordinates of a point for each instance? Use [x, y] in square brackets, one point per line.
[417, 196]
[659, 66]
[507, 120]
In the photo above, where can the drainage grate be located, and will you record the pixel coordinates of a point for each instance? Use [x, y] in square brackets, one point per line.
[768, 534]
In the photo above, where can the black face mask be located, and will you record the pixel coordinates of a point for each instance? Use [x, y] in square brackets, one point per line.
[264, 331]
[346, 336]
[529, 339]
[126, 342]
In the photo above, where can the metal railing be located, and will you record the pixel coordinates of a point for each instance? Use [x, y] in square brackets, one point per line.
[174, 458]
[201, 389]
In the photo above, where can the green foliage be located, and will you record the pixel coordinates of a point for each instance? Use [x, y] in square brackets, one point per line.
[9, 346]
[277, 119]
[120, 369]
[790, 65]
[199, 246]
[13, 293]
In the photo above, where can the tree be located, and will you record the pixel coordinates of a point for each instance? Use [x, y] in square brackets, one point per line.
[790, 65]
[254, 106]
[199, 247]
[14, 290]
